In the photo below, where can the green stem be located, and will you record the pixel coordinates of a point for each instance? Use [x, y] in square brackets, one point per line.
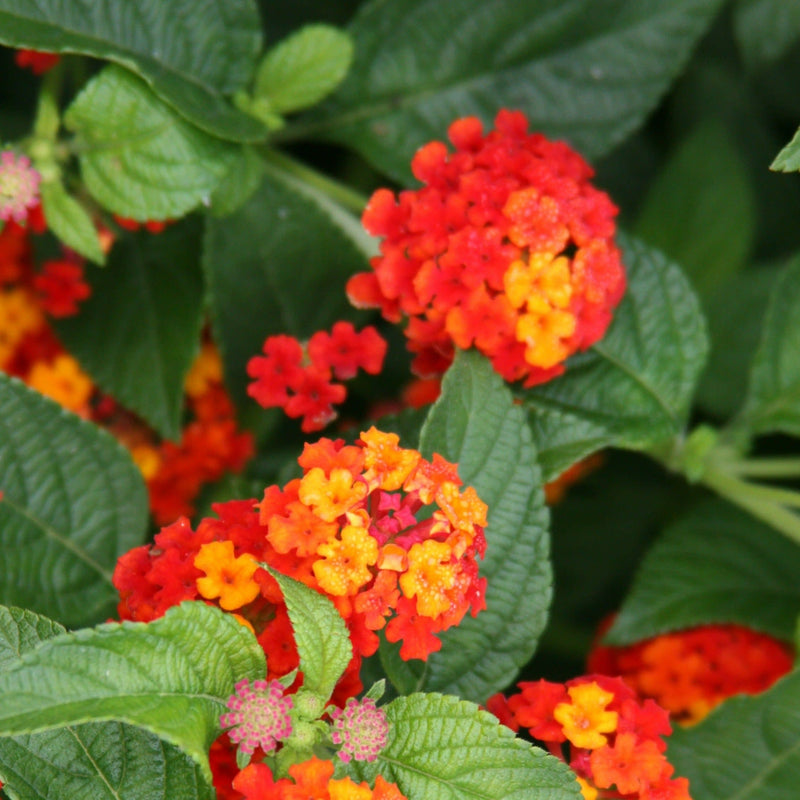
[767, 467]
[344, 195]
[757, 500]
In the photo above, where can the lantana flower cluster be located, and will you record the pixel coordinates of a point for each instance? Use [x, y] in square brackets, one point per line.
[19, 186]
[305, 378]
[692, 671]
[612, 741]
[507, 247]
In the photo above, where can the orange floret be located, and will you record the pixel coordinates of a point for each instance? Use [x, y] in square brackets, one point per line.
[331, 496]
[431, 572]
[585, 719]
[228, 578]
[64, 381]
[343, 566]
[387, 464]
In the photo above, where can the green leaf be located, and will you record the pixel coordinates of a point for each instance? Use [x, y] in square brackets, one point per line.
[747, 749]
[240, 181]
[715, 565]
[279, 264]
[476, 424]
[94, 761]
[443, 748]
[139, 330]
[320, 633]
[303, 69]
[633, 389]
[70, 222]
[700, 209]
[72, 503]
[765, 29]
[773, 398]
[580, 71]
[170, 677]
[191, 52]
[788, 160]
[138, 157]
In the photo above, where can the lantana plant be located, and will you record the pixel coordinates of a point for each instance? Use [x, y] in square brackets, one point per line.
[399, 400]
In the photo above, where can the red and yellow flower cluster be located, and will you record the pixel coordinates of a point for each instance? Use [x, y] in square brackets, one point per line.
[616, 744]
[690, 672]
[299, 378]
[507, 247]
[313, 778]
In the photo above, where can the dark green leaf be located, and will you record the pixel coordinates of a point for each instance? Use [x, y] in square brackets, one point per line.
[700, 209]
[140, 328]
[634, 388]
[138, 157]
[765, 29]
[581, 71]
[716, 565]
[323, 642]
[72, 503]
[277, 265]
[443, 748]
[788, 160]
[773, 399]
[747, 749]
[93, 761]
[476, 424]
[170, 677]
[191, 52]
[70, 222]
[240, 181]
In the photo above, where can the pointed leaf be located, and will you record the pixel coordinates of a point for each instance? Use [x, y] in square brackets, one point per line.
[191, 65]
[320, 633]
[716, 565]
[788, 160]
[747, 749]
[420, 64]
[170, 677]
[773, 400]
[633, 388]
[70, 222]
[72, 503]
[476, 424]
[139, 158]
[139, 330]
[443, 748]
[93, 761]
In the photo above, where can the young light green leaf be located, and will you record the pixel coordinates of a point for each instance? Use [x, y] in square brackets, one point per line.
[700, 209]
[443, 748]
[773, 398]
[405, 88]
[303, 69]
[192, 65]
[476, 424]
[139, 330]
[320, 633]
[715, 565]
[170, 677]
[72, 503]
[747, 749]
[255, 286]
[633, 388]
[70, 221]
[788, 160]
[765, 29]
[138, 157]
[93, 761]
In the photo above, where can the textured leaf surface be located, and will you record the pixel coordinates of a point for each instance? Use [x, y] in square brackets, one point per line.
[93, 761]
[765, 29]
[632, 389]
[263, 266]
[788, 160]
[711, 234]
[170, 677]
[443, 748]
[716, 565]
[476, 425]
[70, 222]
[747, 749]
[320, 633]
[773, 399]
[139, 330]
[139, 158]
[580, 71]
[72, 503]
[192, 52]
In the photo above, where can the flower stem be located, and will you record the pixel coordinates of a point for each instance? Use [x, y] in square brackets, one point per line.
[766, 467]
